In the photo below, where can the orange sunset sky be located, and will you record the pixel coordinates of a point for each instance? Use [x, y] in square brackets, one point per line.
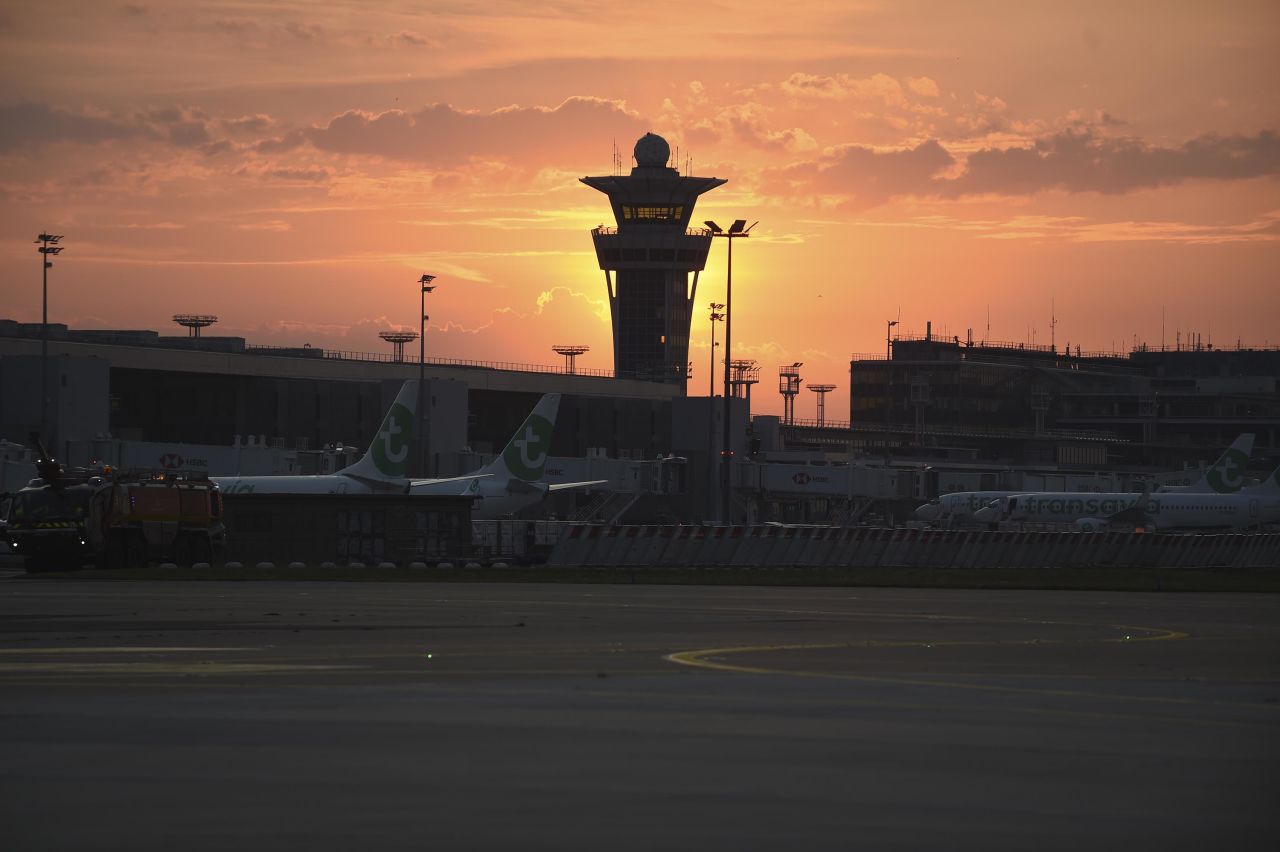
[294, 167]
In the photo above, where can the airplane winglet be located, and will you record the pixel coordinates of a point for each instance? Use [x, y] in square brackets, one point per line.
[469, 476]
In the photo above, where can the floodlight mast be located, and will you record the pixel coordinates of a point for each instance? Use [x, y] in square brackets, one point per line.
[789, 386]
[424, 422]
[398, 339]
[48, 247]
[571, 353]
[737, 229]
[888, 375]
[822, 391]
[717, 315]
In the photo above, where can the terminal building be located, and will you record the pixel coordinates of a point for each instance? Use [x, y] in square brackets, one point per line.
[225, 407]
[1152, 408]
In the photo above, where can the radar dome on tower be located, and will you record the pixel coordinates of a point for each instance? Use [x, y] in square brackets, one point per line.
[652, 150]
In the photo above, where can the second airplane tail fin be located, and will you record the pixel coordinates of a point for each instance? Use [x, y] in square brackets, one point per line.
[388, 455]
[526, 453]
[1226, 475]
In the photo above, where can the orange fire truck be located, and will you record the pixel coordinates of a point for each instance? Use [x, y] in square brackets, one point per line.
[65, 519]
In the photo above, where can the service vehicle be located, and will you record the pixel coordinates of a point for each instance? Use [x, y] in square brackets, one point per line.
[65, 519]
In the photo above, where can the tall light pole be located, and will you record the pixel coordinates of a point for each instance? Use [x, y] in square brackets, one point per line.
[48, 247]
[888, 378]
[424, 423]
[737, 229]
[717, 315]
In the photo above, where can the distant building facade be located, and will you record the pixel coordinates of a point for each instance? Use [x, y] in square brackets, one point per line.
[1155, 408]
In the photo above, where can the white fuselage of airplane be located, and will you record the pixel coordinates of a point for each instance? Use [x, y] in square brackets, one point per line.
[332, 483]
[1211, 511]
[1173, 510]
[1060, 508]
[493, 499]
[958, 507]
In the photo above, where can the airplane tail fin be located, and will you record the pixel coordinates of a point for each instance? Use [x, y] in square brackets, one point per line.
[1226, 475]
[388, 455]
[526, 453]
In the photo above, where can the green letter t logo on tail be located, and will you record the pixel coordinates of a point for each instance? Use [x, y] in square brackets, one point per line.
[391, 446]
[1227, 476]
[526, 455]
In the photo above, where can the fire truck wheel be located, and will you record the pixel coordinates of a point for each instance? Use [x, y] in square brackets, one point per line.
[35, 564]
[136, 552]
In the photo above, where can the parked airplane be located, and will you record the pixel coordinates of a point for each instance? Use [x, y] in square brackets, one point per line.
[383, 469]
[512, 481]
[958, 507]
[1164, 510]
[1224, 476]
[1250, 507]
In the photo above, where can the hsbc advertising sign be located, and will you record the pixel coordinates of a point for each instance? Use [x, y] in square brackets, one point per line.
[175, 461]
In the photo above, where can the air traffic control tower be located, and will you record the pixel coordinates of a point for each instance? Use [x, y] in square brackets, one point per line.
[647, 259]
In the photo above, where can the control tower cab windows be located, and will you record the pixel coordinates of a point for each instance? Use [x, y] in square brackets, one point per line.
[633, 213]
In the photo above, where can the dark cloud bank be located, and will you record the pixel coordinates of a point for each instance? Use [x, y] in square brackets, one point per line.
[1079, 159]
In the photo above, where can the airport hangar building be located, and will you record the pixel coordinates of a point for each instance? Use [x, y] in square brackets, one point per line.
[141, 386]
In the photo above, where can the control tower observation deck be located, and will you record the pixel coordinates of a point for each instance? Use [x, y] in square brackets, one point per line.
[647, 259]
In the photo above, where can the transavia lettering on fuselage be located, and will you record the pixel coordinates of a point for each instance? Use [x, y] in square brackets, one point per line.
[1080, 507]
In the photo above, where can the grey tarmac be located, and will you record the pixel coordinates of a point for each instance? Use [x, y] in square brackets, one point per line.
[310, 715]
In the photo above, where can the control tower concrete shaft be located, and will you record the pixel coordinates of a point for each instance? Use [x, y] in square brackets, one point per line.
[647, 259]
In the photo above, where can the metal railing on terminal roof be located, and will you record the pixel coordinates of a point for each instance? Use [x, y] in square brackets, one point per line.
[991, 344]
[1014, 346]
[1085, 360]
[388, 358]
[977, 431]
[996, 350]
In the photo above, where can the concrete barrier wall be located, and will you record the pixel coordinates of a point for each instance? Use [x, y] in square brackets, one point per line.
[583, 545]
